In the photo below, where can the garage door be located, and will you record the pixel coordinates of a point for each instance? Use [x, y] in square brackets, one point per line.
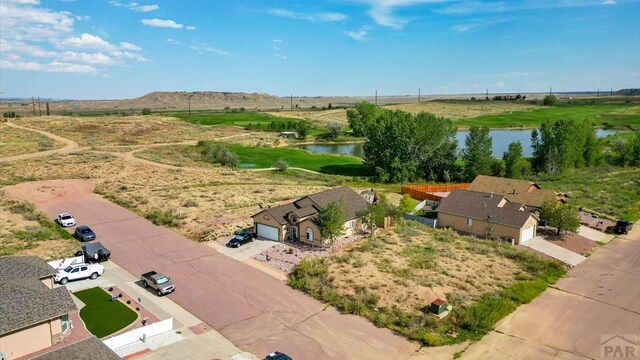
[528, 233]
[267, 232]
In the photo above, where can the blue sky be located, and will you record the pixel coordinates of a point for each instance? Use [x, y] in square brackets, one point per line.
[102, 49]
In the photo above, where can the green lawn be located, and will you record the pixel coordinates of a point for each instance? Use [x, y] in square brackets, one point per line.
[327, 164]
[232, 118]
[102, 316]
[610, 190]
[619, 115]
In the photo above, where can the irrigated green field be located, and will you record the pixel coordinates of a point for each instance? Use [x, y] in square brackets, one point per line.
[616, 115]
[232, 118]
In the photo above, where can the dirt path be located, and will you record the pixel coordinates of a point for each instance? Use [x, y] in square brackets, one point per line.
[70, 145]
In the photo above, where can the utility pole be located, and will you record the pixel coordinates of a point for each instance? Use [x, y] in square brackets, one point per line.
[598, 93]
[611, 91]
[189, 103]
[376, 97]
[48, 112]
[291, 98]
[551, 90]
[33, 102]
[486, 94]
[39, 107]
[418, 94]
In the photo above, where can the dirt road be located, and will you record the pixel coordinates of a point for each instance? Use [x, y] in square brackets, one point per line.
[69, 146]
[257, 312]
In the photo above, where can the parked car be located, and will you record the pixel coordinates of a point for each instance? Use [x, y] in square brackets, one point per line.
[78, 272]
[277, 355]
[65, 220]
[94, 252]
[84, 233]
[240, 239]
[158, 282]
[622, 227]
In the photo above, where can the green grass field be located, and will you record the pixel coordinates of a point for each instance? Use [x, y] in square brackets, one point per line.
[327, 164]
[232, 118]
[614, 191]
[102, 316]
[615, 115]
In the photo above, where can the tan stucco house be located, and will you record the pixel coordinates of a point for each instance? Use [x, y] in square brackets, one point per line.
[487, 215]
[519, 191]
[33, 314]
[298, 221]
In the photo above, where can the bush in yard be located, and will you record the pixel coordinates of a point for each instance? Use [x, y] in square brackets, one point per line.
[281, 165]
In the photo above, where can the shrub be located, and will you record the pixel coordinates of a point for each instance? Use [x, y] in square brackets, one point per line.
[281, 165]
[146, 111]
[334, 130]
[217, 154]
[549, 100]
[190, 203]
[163, 217]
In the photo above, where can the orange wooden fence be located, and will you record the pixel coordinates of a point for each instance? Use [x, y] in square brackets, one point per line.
[425, 192]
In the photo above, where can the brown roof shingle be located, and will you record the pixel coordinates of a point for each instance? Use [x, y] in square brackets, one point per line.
[88, 349]
[519, 191]
[24, 299]
[482, 206]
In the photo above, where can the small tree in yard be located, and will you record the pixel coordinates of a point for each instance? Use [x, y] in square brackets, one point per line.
[549, 100]
[334, 130]
[561, 216]
[331, 221]
[302, 128]
[407, 204]
[281, 165]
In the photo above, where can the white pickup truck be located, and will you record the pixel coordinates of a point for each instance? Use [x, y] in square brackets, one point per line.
[78, 272]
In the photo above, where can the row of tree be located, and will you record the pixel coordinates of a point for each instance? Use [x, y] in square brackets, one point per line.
[302, 127]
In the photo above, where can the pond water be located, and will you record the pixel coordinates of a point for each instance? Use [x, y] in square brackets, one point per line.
[501, 141]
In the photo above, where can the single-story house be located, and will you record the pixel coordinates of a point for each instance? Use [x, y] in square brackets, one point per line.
[33, 315]
[298, 221]
[519, 191]
[487, 215]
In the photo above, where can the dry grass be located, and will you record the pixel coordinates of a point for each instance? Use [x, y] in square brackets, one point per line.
[17, 141]
[411, 270]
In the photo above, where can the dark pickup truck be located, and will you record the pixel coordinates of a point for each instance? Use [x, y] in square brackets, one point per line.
[622, 227]
[159, 282]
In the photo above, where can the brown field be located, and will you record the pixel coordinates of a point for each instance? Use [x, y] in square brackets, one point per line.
[17, 141]
[449, 110]
[413, 268]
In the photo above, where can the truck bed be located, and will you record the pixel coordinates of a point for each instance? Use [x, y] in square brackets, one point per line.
[149, 274]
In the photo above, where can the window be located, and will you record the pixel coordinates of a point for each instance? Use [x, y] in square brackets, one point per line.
[469, 221]
[309, 234]
[352, 224]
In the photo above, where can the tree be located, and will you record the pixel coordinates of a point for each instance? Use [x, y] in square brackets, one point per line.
[477, 155]
[281, 165]
[497, 168]
[334, 130]
[375, 214]
[561, 216]
[361, 116]
[516, 166]
[331, 221]
[302, 128]
[436, 148]
[146, 111]
[406, 206]
[549, 100]
[635, 149]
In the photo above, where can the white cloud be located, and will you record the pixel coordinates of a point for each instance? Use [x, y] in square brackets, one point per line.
[52, 67]
[129, 46]
[87, 41]
[190, 27]
[281, 56]
[609, 2]
[476, 24]
[175, 42]
[276, 40]
[316, 17]
[89, 58]
[206, 48]
[382, 11]
[22, 21]
[358, 35]
[161, 23]
[135, 6]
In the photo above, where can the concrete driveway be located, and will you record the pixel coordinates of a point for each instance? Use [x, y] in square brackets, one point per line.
[256, 311]
[599, 297]
[595, 235]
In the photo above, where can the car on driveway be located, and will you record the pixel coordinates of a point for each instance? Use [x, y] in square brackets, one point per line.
[78, 272]
[84, 233]
[240, 239]
[277, 355]
[65, 220]
[94, 252]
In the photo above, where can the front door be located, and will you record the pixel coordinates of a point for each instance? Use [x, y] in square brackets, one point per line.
[294, 233]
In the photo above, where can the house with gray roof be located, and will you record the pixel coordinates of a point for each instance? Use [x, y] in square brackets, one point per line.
[298, 220]
[34, 315]
[487, 215]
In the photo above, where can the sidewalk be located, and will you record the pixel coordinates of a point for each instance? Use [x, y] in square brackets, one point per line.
[568, 257]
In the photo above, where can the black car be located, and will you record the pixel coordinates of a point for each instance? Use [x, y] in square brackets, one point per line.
[277, 355]
[84, 233]
[622, 227]
[94, 252]
[240, 239]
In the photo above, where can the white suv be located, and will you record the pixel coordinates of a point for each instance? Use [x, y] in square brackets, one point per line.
[78, 271]
[65, 219]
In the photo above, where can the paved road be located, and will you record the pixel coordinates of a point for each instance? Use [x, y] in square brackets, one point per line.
[557, 252]
[257, 312]
[598, 297]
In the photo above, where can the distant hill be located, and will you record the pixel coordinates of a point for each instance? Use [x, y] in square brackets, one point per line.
[628, 92]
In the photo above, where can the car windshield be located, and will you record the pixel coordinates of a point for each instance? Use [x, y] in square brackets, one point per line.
[238, 237]
[65, 217]
[85, 230]
[68, 269]
[162, 280]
